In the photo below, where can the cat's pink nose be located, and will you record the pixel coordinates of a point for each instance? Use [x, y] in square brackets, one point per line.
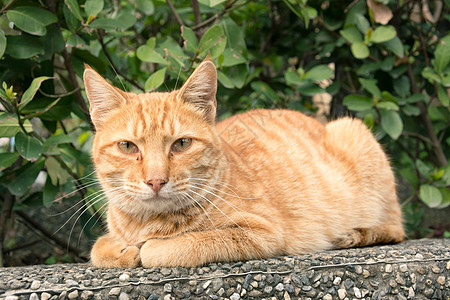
[156, 184]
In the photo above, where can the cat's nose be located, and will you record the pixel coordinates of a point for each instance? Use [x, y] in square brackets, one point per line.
[156, 184]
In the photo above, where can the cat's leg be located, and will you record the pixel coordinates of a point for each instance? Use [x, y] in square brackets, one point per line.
[197, 248]
[110, 253]
[360, 237]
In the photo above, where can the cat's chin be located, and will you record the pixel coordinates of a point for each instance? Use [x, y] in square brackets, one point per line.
[158, 205]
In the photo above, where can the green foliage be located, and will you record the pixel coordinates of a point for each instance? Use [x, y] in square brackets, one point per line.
[395, 76]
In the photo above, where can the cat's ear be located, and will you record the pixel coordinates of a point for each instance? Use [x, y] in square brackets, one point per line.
[200, 90]
[103, 97]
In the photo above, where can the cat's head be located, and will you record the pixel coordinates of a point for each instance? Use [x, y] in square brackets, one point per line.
[153, 152]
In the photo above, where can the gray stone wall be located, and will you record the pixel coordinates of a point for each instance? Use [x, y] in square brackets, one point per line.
[417, 269]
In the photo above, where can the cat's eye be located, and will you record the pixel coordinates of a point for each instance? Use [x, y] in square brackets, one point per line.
[181, 145]
[128, 147]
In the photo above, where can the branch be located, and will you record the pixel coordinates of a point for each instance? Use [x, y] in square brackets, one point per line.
[196, 9]
[436, 146]
[5, 217]
[175, 14]
[76, 87]
[229, 7]
[48, 234]
[113, 65]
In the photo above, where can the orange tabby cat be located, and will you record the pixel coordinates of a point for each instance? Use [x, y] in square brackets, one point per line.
[184, 191]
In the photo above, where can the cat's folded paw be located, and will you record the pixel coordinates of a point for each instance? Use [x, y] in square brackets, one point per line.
[108, 253]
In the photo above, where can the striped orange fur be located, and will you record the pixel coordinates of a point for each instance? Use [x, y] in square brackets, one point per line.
[184, 191]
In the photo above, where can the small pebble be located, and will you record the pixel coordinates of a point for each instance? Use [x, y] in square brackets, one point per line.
[358, 270]
[279, 287]
[327, 297]
[441, 280]
[403, 268]
[34, 296]
[71, 283]
[86, 295]
[167, 288]
[73, 295]
[45, 296]
[357, 292]
[436, 270]
[11, 298]
[342, 293]
[114, 292]
[35, 285]
[206, 284]
[388, 268]
[411, 293]
[337, 281]
[124, 296]
[235, 296]
[124, 278]
[366, 273]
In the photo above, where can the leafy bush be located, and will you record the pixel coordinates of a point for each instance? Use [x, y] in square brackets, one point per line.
[385, 61]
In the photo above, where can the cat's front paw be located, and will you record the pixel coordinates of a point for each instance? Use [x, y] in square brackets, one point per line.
[109, 253]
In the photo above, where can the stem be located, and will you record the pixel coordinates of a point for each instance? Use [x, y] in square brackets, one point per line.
[5, 217]
[175, 14]
[113, 65]
[48, 234]
[76, 87]
[196, 9]
[436, 146]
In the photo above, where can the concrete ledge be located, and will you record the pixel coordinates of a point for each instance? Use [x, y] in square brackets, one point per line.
[417, 269]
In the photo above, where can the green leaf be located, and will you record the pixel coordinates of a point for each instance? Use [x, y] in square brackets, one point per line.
[383, 34]
[146, 53]
[213, 41]
[292, 77]
[431, 75]
[211, 3]
[190, 40]
[443, 96]
[360, 50]
[442, 54]
[93, 7]
[237, 74]
[445, 192]
[391, 123]
[410, 110]
[50, 146]
[28, 147]
[416, 98]
[126, 18]
[9, 125]
[321, 72]
[146, 6]
[224, 80]
[395, 46]
[358, 102]
[351, 34]
[385, 95]
[23, 47]
[410, 175]
[430, 195]
[31, 19]
[265, 89]
[7, 159]
[21, 181]
[387, 105]
[232, 58]
[72, 5]
[31, 91]
[155, 80]
[370, 85]
[2, 43]
[58, 174]
[402, 86]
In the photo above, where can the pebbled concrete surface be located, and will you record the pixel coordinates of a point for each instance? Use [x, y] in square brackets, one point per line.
[416, 269]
